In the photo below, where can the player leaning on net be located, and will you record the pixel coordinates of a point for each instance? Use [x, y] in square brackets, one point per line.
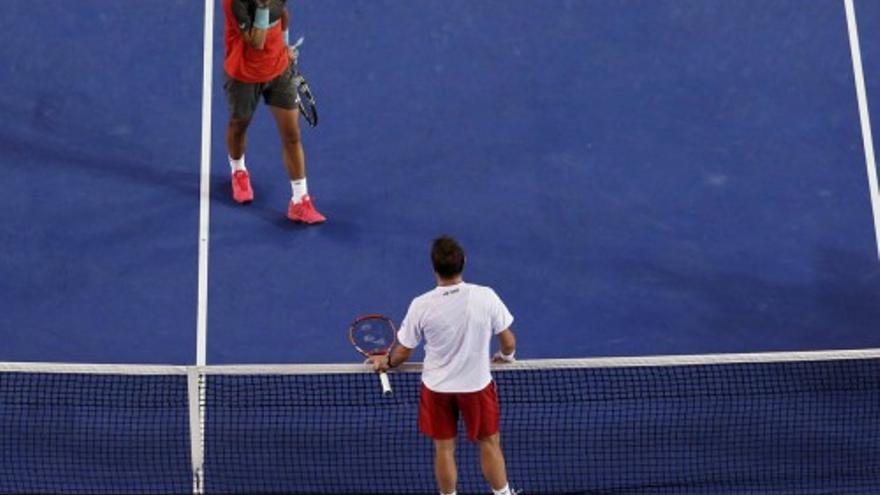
[258, 63]
[457, 320]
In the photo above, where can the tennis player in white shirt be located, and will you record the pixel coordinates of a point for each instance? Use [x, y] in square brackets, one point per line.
[457, 321]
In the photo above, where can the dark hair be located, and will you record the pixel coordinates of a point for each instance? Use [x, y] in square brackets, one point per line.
[447, 256]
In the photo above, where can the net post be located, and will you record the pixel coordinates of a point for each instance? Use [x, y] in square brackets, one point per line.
[196, 406]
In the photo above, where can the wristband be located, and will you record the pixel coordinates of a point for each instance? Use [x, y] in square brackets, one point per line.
[508, 358]
[286, 38]
[261, 18]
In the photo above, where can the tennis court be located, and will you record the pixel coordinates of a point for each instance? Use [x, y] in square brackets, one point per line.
[636, 179]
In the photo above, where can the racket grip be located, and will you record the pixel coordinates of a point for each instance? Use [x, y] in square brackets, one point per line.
[386, 384]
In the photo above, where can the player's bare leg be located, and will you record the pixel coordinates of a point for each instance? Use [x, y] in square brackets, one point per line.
[236, 140]
[236, 137]
[444, 465]
[300, 208]
[292, 148]
[492, 462]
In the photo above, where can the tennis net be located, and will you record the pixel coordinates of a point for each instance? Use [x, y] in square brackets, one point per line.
[718, 424]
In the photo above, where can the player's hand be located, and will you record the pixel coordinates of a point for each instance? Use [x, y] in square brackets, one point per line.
[263, 3]
[293, 54]
[380, 363]
[501, 358]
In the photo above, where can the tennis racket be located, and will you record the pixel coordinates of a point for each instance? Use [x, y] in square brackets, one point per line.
[374, 335]
[307, 106]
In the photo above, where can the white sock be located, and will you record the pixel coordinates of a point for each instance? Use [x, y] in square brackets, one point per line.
[453, 493]
[503, 491]
[300, 189]
[237, 165]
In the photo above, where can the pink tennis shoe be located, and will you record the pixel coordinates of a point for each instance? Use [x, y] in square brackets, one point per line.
[305, 212]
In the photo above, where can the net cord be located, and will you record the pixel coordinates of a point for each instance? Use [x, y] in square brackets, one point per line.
[532, 364]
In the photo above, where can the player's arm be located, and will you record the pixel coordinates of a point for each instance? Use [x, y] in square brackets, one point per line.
[399, 355]
[285, 24]
[408, 338]
[252, 31]
[285, 28]
[501, 321]
[507, 344]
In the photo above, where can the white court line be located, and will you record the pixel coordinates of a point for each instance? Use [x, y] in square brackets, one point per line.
[196, 408]
[205, 188]
[864, 116]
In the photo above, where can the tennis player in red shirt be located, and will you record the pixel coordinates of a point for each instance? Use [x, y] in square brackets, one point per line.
[258, 64]
[457, 321]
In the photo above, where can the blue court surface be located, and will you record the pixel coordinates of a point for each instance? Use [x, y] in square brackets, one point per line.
[633, 177]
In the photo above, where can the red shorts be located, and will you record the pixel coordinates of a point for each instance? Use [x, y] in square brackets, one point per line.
[439, 412]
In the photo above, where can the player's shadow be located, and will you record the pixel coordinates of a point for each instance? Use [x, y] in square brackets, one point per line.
[87, 148]
[840, 304]
[123, 160]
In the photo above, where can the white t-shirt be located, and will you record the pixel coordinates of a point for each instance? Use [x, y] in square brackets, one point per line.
[457, 323]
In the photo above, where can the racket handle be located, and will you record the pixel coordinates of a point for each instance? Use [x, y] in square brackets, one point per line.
[386, 384]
